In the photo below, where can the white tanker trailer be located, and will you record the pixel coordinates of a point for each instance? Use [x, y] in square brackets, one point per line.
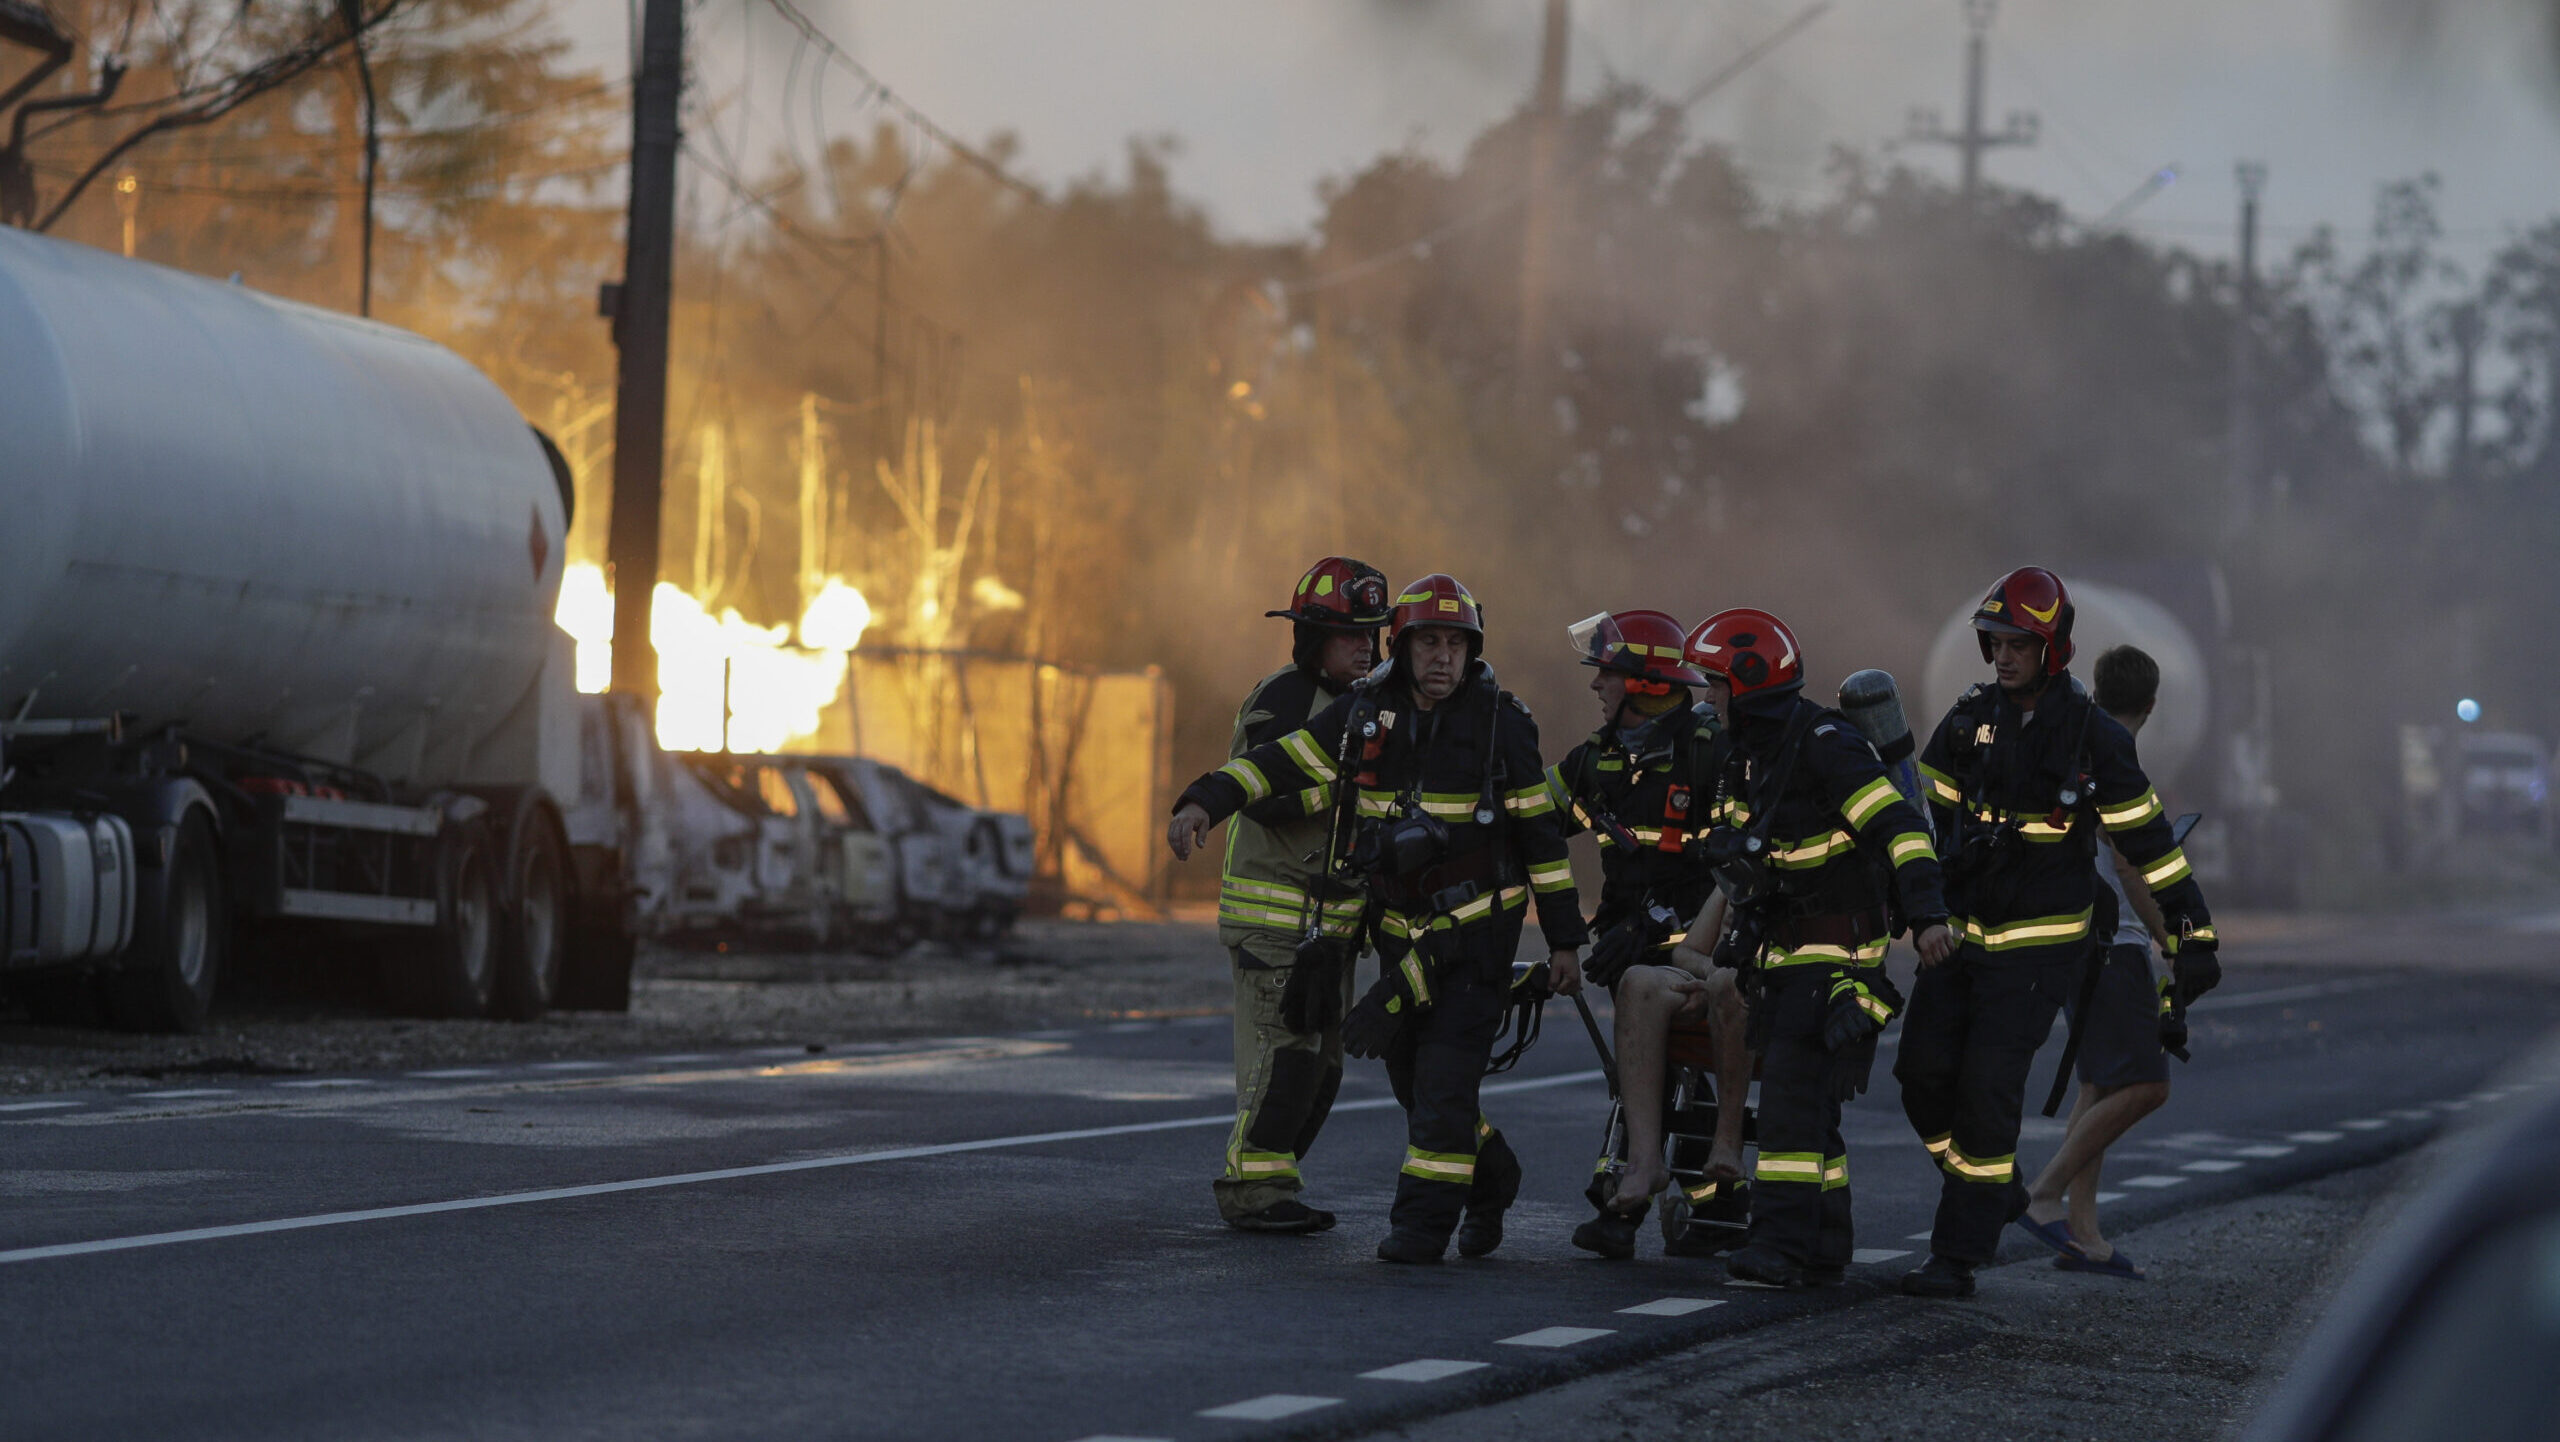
[276, 589]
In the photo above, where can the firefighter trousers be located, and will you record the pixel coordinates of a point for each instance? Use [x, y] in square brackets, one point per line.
[1285, 1082]
[1969, 1040]
[1800, 1185]
[1454, 1160]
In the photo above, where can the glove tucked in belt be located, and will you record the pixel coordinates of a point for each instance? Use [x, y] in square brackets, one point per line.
[1402, 992]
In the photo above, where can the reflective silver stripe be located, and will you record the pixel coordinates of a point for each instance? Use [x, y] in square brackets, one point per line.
[1302, 749]
[1249, 776]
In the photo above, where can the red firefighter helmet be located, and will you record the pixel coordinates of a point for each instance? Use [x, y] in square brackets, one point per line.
[1647, 647]
[1752, 650]
[2029, 601]
[1339, 594]
[1436, 600]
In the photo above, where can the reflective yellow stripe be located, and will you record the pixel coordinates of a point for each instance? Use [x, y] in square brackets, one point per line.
[1939, 1144]
[1789, 1167]
[2169, 870]
[1530, 801]
[1911, 846]
[1979, 1169]
[1835, 1173]
[1551, 876]
[1439, 1166]
[2033, 825]
[1302, 749]
[1812, 850]
[2132, 813]
[2038, 931]
[1824, 953]
[1264, 1164]
[1376, 803]
[1942, 787]
[1249, 776]
[1644, 835]
[1867, 800]
[1416, 984]
[1511, 898]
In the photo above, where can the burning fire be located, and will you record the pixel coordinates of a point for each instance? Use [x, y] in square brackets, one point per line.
[772, 690]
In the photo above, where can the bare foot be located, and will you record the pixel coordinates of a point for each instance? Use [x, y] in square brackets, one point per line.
[2041, 1211]
[1637, 1186]
[2096, 1248]
[1724, 1162]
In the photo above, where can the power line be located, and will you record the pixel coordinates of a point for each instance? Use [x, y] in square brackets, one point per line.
[880, 91]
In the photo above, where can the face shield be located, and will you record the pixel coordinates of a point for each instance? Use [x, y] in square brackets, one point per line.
[1597, 641]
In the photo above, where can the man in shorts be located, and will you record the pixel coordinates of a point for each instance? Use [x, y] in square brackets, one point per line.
[2124, 1074]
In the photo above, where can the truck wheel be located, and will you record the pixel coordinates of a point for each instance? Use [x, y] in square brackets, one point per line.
[452, 970]
[537, 914]
[182, 927]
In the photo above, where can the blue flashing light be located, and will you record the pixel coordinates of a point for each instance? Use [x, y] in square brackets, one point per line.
[2467, 709]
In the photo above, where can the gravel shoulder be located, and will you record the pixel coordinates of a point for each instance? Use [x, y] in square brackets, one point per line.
[1047, 973]
[2038, 1354]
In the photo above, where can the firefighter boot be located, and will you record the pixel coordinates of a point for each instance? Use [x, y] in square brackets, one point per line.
[1288, 1215]
[1412, 1248]
[1939, 1277]
[1759, 1262]
[1497, 1184]
[1612, 1234]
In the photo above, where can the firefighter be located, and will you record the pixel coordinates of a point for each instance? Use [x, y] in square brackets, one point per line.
[1639, 782]
[1288, 1015]
[2022, 775]
[1822, 861]
[1452, 831]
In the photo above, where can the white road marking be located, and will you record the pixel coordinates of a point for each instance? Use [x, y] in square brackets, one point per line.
[2264, 1150]
[187, 1092]
[1867, 1256]
[2410, 1114]
[2487, 1096]
[1555, 1337]
[1271, 1408]
[335, 1081]
[686, 1179]
[1921, 1237]
[2153, 1182]
[600, 1066]
[2454, 1106]
[2315, 1138]
[2209, 1165]
[2364, 1124]
[2106, 1197]
[1670, 1307]
[1424, 1369]
[454, 1073]
[2277, 996]
[34, 1106]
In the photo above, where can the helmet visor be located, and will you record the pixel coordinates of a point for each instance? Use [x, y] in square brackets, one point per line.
[1597, 641]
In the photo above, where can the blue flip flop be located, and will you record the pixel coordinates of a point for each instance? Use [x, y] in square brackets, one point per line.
[2055, 1234]
[2117, 1264]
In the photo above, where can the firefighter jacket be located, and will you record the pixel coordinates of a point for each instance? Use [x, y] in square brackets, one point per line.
[1275, 848]
[1839, 834]
[1471, 763]
[2024, 857]
[1658, 796]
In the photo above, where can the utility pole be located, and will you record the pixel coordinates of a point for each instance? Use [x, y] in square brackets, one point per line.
[1973, 142]
[2243, 448]
[639, 308]
[1546, 114]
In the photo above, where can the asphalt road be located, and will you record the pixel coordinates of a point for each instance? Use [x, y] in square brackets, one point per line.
[1003, 1236]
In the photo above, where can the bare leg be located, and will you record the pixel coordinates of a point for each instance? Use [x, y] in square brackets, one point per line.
[1645, 1004]
[2098, 1120]
[1730, 1018]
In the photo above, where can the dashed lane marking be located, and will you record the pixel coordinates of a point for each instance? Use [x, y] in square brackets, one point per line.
[2453, 1106]
[2277, 996]
[2153, 1182]
[1673, 1306]
[186, 1092]
[1271, 1408]
[1868, 1256]
[1921, 1237]
[687, 1179]
[2315, 1138]
[34, 1106]
[2264, 1150]
[454, 1073]
[1555, 1337]
[2207, 1165]
[2106, 1197]
[1422, 1369]
[2364, 1124]
[2411, 1114]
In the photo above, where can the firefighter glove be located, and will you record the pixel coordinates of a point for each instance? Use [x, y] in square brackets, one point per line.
[1627, 944]
[2195, 968]
[1312, 999]
[1860, 1006]
[1403, 991]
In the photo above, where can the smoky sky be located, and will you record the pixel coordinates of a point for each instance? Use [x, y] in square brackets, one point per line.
[1265, 100]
